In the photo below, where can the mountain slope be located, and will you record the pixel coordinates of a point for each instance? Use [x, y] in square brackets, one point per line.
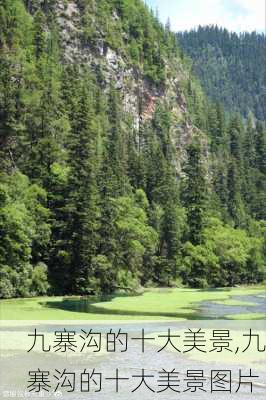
[115, 170]
[231, 67]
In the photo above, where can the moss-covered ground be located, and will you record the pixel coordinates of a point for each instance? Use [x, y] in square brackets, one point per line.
[156, 304]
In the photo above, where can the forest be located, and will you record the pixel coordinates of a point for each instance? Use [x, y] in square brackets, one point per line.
[230, 66]
[92, 203]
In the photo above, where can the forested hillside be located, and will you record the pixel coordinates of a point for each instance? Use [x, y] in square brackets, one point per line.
[115, 170]
[231, 67]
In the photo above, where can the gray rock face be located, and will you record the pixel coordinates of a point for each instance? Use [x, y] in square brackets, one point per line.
[139, 95]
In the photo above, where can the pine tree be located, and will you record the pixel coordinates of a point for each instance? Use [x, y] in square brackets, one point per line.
[235, 203]
[40, 39]
[82, 203]
[194, 193]
[14, 40]
[260, 143]
[117, 149]
[45, 120]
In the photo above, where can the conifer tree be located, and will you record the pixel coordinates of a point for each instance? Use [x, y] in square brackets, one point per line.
[82, 203]
[235, 203]
[194, 193]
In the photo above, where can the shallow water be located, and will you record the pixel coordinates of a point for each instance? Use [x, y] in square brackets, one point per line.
[206, 310]
[130, 363]
[211, 310]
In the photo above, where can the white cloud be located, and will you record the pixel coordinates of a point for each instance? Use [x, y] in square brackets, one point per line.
[235, 15]
[255, 18]
[201, 12]
[252, 5]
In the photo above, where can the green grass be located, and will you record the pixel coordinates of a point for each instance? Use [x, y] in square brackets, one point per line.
[156, 304]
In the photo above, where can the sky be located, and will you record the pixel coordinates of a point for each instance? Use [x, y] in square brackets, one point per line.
[235, 15]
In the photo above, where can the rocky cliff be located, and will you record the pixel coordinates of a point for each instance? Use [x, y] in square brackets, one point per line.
[139, 93]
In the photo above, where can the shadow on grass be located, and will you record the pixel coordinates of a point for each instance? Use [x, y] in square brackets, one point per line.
[89, 306]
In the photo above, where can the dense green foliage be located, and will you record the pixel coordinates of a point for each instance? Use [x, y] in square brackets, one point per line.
[130, 28]
[25, 233]
[90, 204]
[231, 67]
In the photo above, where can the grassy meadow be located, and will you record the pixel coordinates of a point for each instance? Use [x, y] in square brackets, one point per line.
[154, 304]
